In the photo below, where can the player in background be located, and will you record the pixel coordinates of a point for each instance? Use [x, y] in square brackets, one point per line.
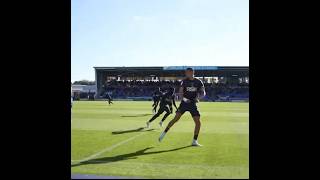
[166, 102]
[108, 97]
[156, 98]
[191, 89]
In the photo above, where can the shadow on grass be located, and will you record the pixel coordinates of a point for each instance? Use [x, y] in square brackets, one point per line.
[141, 129]
[137, 115]
[123, 157]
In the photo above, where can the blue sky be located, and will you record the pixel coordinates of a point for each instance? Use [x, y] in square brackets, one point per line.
[157, 33]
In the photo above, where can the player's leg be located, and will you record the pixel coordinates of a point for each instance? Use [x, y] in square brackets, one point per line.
[182, 108]
[173, 121]
[168, 112]
[196, 118]
[156, 115]
[161, 110]
[197, 122]
[170, 124]
[155, 107]
[154, 102]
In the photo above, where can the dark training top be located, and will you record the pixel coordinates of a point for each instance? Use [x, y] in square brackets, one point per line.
[167, 99]
[156, 95]
[108, 96]
[191, 88]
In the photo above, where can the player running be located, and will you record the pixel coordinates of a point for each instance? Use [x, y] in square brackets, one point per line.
[108, 97]
[192, 89]
[167, 99]
[156, 98]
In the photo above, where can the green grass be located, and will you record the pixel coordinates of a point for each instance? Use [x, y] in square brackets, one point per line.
[224, 135]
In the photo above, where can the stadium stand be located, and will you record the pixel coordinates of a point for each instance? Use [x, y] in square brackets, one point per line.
[144, 90]
[222, 83]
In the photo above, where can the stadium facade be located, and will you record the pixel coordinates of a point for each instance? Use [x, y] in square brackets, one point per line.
[207, 74]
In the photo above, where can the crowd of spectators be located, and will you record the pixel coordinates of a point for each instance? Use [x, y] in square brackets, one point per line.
[127, 89]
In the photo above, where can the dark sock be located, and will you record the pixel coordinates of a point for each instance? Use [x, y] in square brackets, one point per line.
[154, 117]
[165, 116]
[195, 137]
[167, 129]
[151, 120]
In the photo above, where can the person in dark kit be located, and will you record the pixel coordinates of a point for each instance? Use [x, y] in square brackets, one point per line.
[108, 97]
[156, 98]
[166, 102]
[191, 89]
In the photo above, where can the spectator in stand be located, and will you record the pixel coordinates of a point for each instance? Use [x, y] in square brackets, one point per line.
[124, 89]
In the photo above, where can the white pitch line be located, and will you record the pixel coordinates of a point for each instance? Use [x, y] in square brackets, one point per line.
[110, 148]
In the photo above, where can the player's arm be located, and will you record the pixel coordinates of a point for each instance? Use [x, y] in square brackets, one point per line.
[201, 92]
[180, 93]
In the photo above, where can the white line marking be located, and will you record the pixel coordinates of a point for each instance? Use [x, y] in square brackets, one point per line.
[109, 148]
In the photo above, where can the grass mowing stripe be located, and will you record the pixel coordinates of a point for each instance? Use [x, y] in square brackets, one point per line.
[165, 165]
[110, 148]
[203, 171]
[224, 134]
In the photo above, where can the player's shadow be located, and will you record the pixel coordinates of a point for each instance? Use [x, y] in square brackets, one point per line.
[123, 157]
[136, 115]
[141, 129]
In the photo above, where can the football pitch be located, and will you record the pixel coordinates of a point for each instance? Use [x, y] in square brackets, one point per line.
[113, 141]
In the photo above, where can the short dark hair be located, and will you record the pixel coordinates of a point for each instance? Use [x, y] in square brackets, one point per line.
[189, 69]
